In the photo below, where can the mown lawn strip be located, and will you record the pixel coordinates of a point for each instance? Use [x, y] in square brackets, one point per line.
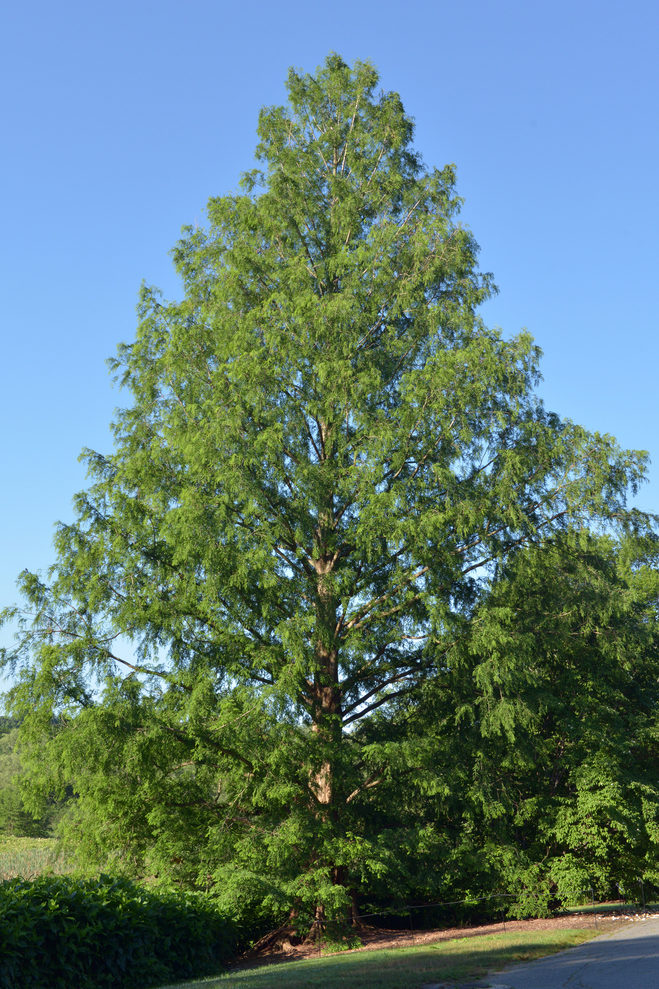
[401, 968]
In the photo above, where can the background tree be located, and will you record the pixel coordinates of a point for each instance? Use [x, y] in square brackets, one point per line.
[326, 454]
[14, 818]
[570, 681]
[548, 733]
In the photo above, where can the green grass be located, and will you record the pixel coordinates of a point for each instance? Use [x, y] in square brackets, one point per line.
[401, 968]
[28, 858]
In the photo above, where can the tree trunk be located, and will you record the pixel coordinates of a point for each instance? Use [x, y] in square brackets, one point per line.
[355, 918]
[326, 696]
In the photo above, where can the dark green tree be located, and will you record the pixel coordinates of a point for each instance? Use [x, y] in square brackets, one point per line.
[326, 454]
[569, 700]
[549, 730]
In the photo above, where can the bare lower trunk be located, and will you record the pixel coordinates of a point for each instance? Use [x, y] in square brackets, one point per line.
[355, 918]
[327, 728]
[326, 700]
[328, 731]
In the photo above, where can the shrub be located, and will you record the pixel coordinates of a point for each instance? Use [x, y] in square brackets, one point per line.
[57, 932]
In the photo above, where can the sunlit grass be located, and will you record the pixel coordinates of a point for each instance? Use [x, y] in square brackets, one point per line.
[401, 968]
[27, 858]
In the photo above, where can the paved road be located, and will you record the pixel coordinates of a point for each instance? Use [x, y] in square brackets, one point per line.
[626, 959]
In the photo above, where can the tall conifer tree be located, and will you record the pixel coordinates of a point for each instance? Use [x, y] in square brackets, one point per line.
[325, 456]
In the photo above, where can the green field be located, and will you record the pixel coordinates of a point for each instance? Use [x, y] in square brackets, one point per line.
[401, 968]
[28, 858]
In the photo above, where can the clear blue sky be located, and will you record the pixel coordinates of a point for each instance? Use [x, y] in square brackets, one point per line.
[120, 120]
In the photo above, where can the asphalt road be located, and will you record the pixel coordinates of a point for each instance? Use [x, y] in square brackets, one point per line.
[626, 959]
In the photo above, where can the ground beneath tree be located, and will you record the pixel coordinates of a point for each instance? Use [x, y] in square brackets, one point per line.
[277, 947]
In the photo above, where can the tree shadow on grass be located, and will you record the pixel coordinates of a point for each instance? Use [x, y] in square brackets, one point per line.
[409, 968]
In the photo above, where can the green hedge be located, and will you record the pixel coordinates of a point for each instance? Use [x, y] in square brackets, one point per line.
[57, 933]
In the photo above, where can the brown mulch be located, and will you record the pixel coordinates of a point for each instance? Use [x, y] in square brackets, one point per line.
[279, 948]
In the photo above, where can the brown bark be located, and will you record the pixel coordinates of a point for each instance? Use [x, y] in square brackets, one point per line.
[355, 918]
[326, 695]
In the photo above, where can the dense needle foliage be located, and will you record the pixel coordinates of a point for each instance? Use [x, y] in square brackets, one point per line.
[538, 760]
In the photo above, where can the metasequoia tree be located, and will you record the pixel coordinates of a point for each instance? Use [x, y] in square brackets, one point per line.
[325, 455]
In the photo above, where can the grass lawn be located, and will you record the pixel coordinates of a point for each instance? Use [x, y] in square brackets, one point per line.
[401, 968]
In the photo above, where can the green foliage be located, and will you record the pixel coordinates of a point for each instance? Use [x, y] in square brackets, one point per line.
[550, 727]
[283, 568]
[14, 818]
[59, 932]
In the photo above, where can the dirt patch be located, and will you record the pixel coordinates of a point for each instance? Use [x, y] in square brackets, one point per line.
[279, 948]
